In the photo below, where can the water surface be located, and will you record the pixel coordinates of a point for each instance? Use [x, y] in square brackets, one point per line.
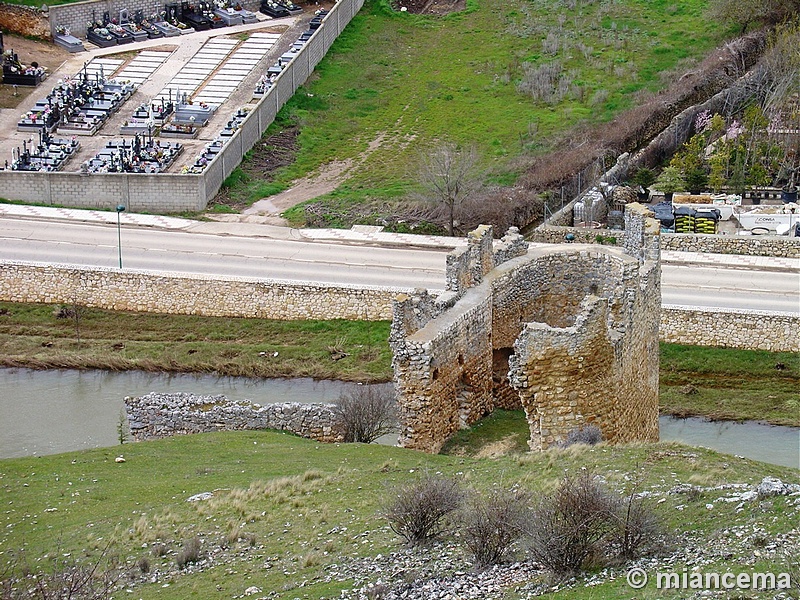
[46, 412]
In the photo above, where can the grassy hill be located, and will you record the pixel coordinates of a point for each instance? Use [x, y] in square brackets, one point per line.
[510, 77]
[299, 519]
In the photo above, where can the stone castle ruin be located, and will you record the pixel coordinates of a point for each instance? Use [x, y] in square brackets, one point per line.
[568, 332]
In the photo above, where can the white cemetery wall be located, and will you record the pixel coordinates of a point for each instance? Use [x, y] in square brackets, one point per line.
[162, 193]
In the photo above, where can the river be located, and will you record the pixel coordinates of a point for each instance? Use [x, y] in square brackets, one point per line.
[46, 412]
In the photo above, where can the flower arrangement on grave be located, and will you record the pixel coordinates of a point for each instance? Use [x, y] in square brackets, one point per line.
[63, 30]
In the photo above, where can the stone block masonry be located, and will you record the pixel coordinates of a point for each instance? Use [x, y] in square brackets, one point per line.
[569, 332]
[743, 329]
[189, 294]
[155, 416]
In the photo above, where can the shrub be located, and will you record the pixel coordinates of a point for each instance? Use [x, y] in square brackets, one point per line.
[573, 525]
[584, 523]
[643, 177]
[190, 553]
[366, 412]
[638, 528]
[696, 181]
[419, 511]
[588, 434]
[68, 580]
[492, 523]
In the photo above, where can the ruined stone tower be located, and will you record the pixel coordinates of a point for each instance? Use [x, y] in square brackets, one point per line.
[569, 332]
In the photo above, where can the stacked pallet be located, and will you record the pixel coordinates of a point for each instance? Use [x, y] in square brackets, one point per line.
[685, 219]
[706, 222]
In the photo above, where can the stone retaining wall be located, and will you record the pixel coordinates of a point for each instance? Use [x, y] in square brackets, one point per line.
[773, 245]
[744, 329]
[190, 294]
[156, 416]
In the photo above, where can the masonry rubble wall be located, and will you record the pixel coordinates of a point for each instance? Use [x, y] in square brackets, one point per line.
[743, 329]
[191, 294]
[523, 334]
[772, 245]
[766, 245]
[24, 20]
[155, 416]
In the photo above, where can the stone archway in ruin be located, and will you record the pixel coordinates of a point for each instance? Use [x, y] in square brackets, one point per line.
[568, 332]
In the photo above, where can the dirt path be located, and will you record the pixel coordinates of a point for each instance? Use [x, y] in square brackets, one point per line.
[323, 181]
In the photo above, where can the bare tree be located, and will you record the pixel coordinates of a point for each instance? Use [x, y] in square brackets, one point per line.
[448, 177]
[366, 412]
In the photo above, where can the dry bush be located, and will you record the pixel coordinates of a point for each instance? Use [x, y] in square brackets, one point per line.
[499, 207]
[573, 525]
[638, 528]
[588, 434]
[492, 523]
[190, 553]
[67, 581]
[546, 82]
[583, 523]
[420, 511]
[366, 412]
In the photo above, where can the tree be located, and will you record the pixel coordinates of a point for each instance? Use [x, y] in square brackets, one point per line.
[366, 412]
[448, 177]
[670, 181]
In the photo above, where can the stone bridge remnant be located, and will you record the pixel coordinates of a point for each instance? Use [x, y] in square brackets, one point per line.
[568, 332]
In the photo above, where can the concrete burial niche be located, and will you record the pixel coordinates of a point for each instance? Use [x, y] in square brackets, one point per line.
[567, 332]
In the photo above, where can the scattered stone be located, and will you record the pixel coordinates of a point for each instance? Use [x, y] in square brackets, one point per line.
[200, 496]
[772, 486]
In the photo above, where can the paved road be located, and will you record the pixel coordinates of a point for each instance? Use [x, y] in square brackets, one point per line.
[93, 244]
[177, 251]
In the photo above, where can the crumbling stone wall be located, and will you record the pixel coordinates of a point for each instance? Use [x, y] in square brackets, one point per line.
[155, 416]
[24, 20]
[569, 332]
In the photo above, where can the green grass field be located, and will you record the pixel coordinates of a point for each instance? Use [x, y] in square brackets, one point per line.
[286, 512]
[31, 336]
[430, 78]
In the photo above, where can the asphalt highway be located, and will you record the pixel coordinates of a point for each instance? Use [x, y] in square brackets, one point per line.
[166, 251]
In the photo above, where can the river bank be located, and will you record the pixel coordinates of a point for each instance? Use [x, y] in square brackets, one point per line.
[717, 383]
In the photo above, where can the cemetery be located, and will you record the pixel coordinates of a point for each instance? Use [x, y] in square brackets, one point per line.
[16, 73]
[82, 104]
[48, 155]
[139, 155]
[156, 106]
